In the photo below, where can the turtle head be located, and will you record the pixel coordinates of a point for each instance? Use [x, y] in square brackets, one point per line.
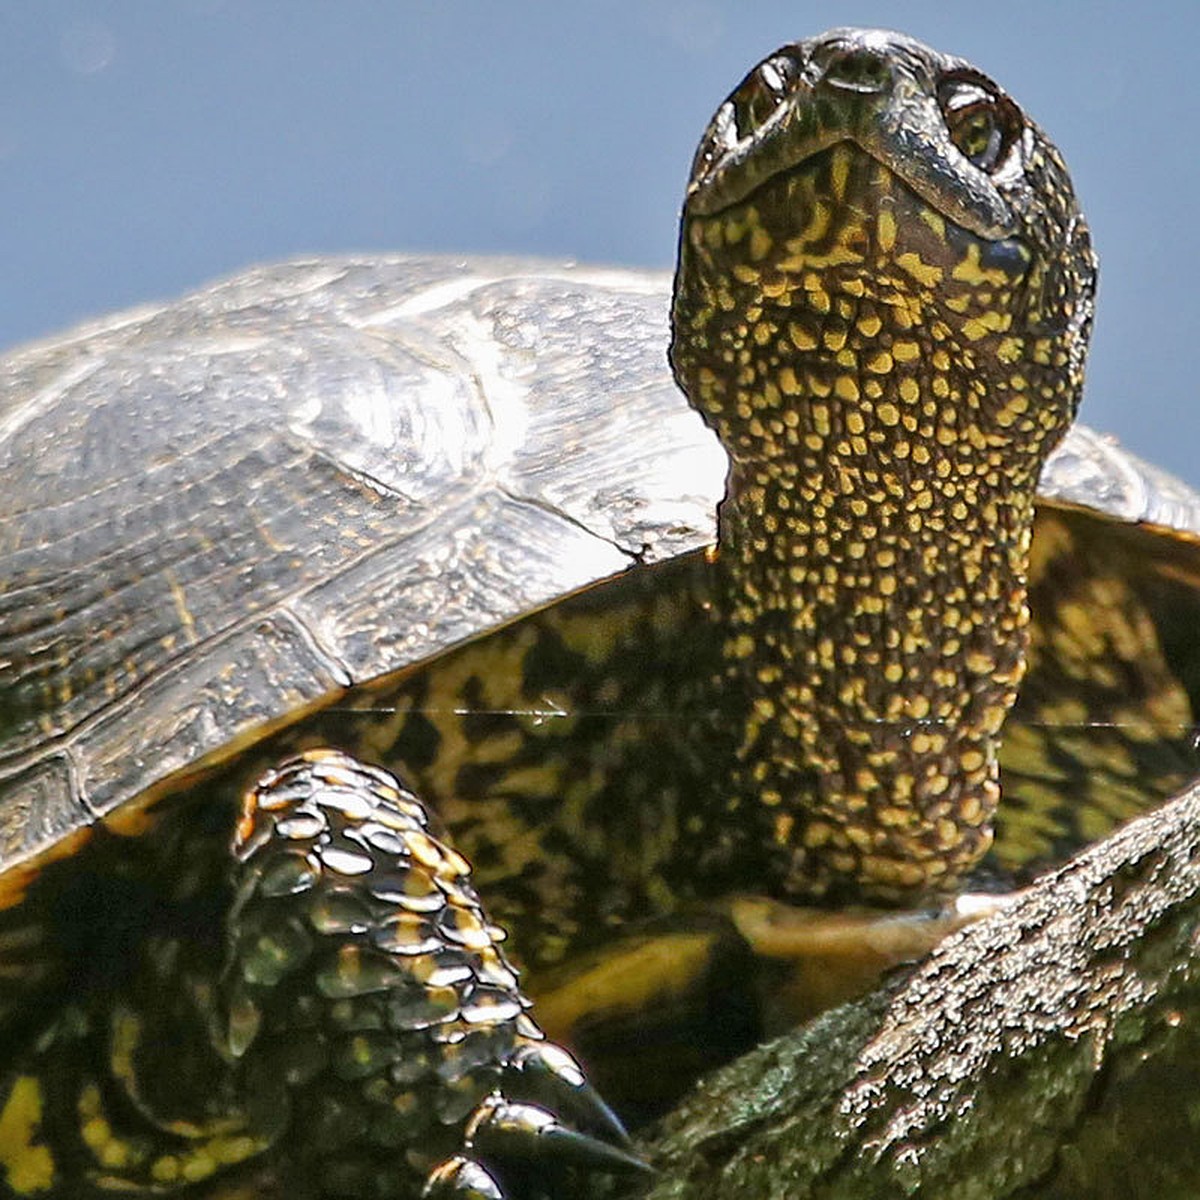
[882, 306]
[861, 176]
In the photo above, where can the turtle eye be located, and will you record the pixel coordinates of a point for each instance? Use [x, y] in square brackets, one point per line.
[983, 124]
[760, 94]
[747, 110]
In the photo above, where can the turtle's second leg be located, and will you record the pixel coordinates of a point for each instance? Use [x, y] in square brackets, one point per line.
[361, 960]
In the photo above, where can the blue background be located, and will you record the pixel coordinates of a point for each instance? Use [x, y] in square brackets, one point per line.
[149, 145]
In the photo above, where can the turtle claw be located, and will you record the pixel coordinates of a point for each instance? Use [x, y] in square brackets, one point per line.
[461, 1178]
[512, 1129]
[524, 1137]
[545, 1074]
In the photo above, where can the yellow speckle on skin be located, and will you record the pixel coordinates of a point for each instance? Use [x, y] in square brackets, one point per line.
[923, 272]
[971, 760]
[980, 663]
[839, 171]
[846, 387]
[886, 226]
[760, 243]
[970, 270]
[28, 1166]
[818, 225]
[734, 230]
[935, 221]
[924, 742]
[1010, 350]
[801, 338]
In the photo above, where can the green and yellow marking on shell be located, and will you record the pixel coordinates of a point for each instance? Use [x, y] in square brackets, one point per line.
[26, 1160]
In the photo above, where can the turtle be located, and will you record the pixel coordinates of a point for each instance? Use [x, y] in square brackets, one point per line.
[404, 673]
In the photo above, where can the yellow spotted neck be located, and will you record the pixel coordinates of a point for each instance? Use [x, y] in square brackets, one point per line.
[876, 380]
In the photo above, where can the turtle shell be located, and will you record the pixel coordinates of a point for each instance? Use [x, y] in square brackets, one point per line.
[221, 512]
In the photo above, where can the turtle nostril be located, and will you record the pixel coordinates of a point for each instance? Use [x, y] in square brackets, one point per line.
[857, 70]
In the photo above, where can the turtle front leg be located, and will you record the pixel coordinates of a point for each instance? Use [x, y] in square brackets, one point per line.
[366, 985]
